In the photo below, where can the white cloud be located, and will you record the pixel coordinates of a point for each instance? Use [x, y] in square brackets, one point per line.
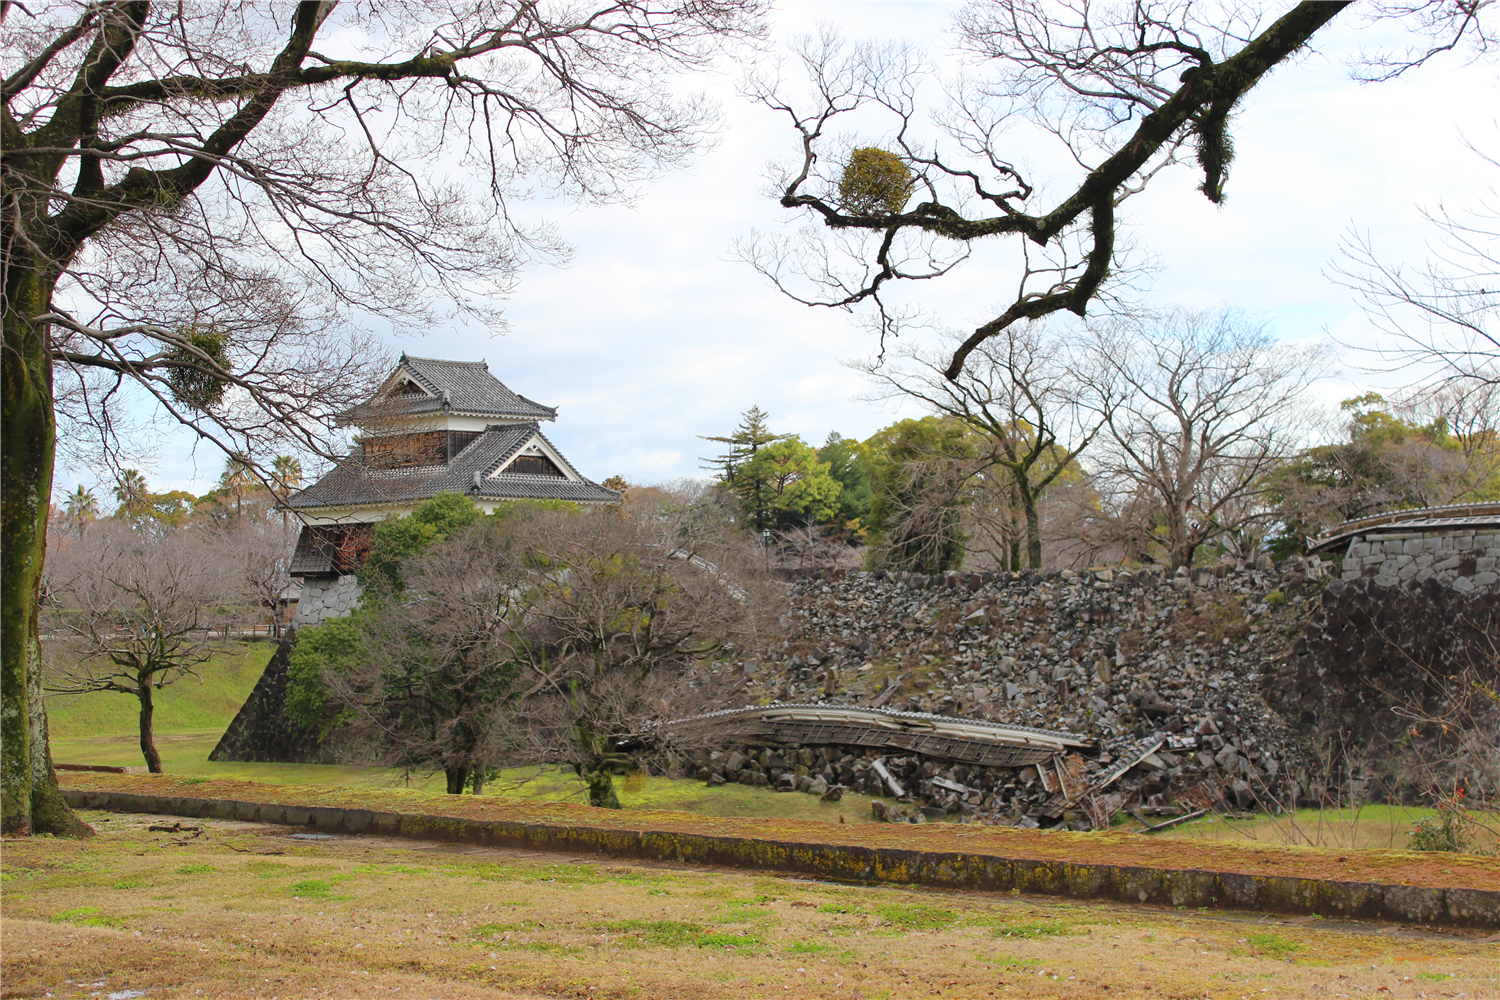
[652, 336]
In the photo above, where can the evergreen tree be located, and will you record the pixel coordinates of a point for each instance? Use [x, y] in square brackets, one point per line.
[847, 467]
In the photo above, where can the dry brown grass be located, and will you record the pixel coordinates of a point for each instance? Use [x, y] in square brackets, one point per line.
[248, 911]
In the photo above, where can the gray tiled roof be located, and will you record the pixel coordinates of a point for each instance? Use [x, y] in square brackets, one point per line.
[1450, 518]
[351, 483]
[456, 386]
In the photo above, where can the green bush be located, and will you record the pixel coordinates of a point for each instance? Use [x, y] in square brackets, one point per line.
[1447, 831]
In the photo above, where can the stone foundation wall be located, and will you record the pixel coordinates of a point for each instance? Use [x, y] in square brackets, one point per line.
[1465, 561]
[261, 731]
[323, 599]
[1412, 613]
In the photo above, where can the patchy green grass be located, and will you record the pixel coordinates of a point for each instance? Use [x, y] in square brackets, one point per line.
[87, 916]
[244, 911]
[1273, 944]
[1370, 827]
[915, 916]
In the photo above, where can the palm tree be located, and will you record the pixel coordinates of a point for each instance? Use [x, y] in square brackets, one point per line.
[286, 474]
[132, 495]
[83, 507]
[238, 475]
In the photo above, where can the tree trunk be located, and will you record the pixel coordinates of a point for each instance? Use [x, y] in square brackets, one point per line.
[601, 785]
[476, 779]
[1033, 533]
[148, 733]
[1181, 545]
[29, 798]
[49, 813]
[458, 777]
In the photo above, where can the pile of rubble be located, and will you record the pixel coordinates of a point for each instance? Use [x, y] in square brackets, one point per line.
[1165, 672]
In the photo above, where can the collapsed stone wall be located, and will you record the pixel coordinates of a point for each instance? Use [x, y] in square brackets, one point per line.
[1113, 654]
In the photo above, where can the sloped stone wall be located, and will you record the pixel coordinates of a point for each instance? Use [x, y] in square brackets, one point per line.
[261, 731]
[322, 599]
[1411, 613]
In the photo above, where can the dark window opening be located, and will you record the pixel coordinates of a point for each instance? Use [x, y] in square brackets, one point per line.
[459, 440]
[535, 465]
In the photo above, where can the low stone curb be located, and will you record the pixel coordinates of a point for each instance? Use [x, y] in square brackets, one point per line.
[1454, 907]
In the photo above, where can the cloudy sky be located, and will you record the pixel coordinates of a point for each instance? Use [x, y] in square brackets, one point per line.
[654, 334]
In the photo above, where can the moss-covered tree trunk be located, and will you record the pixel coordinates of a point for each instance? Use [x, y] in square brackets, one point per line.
[601, 785]
[30, 801]
[1033, 530]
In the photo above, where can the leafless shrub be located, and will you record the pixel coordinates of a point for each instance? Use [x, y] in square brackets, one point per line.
[620, 609]
[134, 610]
[1449, 753]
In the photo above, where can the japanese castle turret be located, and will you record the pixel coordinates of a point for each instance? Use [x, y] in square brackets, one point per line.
[432, 427]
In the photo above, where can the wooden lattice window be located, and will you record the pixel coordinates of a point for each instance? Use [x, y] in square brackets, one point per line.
[535, 465]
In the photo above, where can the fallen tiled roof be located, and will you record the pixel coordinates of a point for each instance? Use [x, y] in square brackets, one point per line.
[352, 484]
[457, 387]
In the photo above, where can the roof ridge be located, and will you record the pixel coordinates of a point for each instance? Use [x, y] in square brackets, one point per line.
[571, 467]
[445, 361]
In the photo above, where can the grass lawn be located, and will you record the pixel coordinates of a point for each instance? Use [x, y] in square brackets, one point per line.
[1369, 827]
[191, 716]
[236, 910]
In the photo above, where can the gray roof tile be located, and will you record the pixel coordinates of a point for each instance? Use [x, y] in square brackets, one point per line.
[351, 483]
[456, 386]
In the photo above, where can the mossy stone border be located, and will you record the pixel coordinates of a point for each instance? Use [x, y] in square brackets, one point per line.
[1452, 907]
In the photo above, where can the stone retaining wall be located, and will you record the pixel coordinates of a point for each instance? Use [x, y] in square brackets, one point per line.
[1466, 561]
[322, 599]
[1456, 907]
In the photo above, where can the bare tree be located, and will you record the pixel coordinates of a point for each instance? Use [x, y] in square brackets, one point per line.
[1121, 90]
[436, 665]
[197, 203]
[134, 611]
[1443, 315]
[1020, 392]
[1197, 409]
[256, 548]
[623, 607]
